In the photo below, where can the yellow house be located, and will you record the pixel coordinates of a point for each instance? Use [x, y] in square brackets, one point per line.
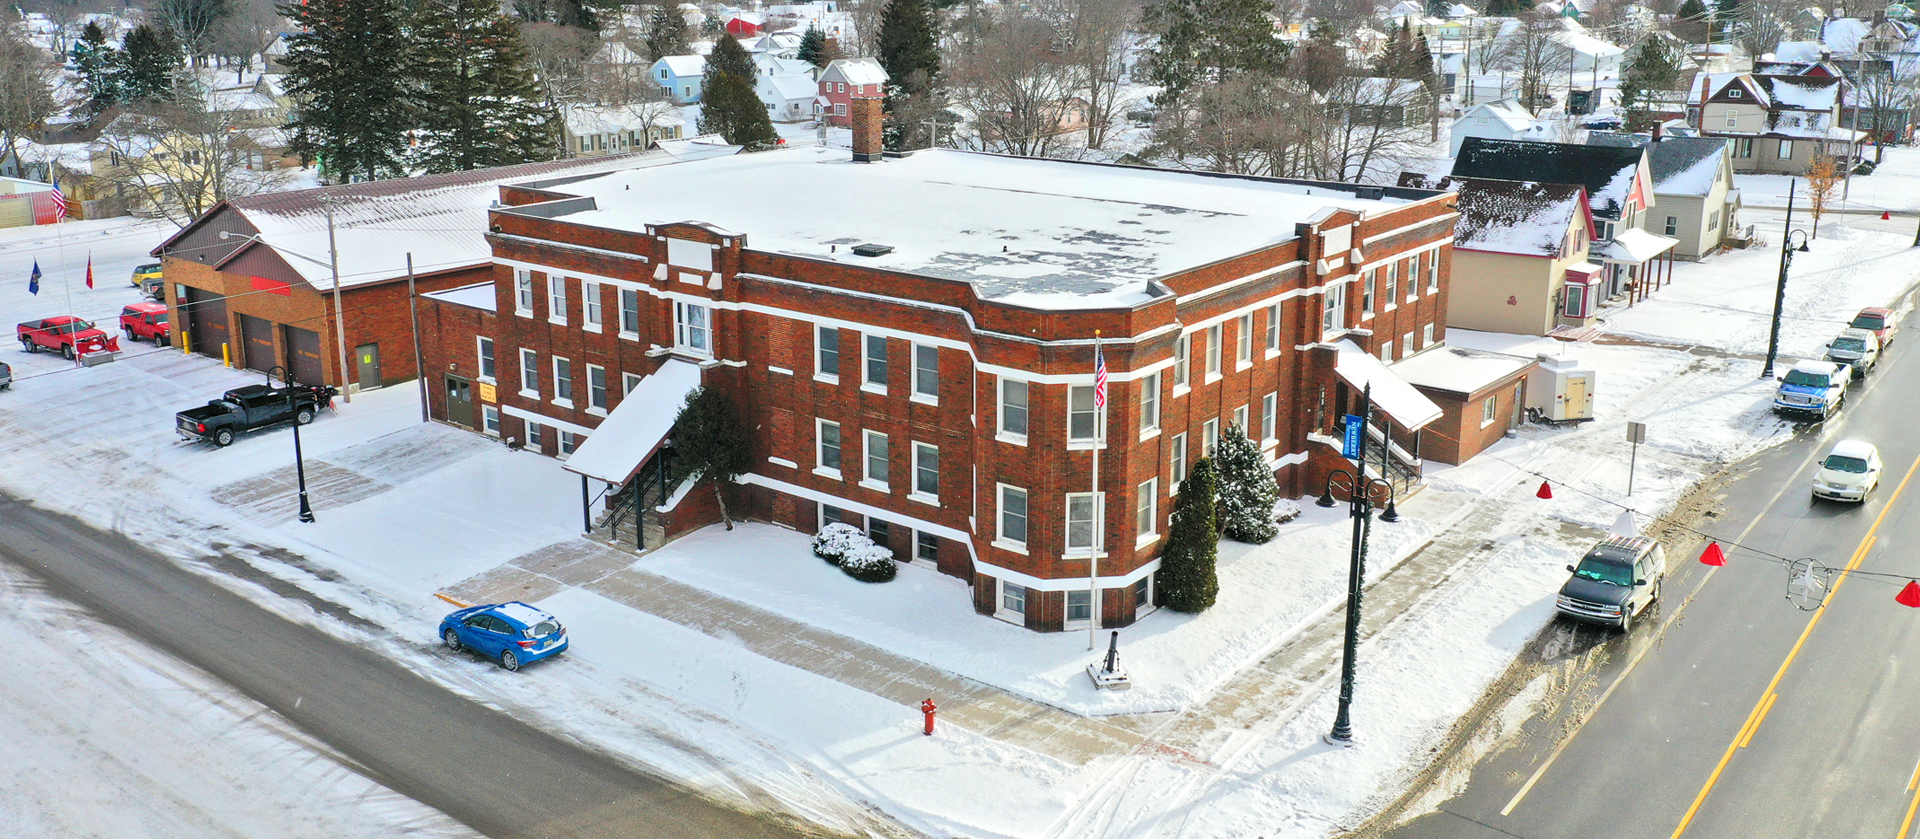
[1519, 255]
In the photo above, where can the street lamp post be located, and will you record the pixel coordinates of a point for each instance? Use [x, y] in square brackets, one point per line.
[1780, 289]
[299, 461]
[1361, 491]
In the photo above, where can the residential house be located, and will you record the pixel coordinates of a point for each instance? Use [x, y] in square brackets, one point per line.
[1520, 251]
[681, 76]
[788, 97]
[841, 81]
[1502, 119]
[745, 25]
[1693, 188]
[938, 390]
[1385, 103]
[588, 130]
[1778, 124]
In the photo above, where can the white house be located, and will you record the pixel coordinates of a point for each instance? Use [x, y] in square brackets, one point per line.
[788, 97]
[1499, 120]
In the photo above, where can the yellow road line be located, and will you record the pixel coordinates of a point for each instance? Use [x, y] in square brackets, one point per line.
[1753, 716]
[1748, 738]
[1908, 822]
[1915, 780]
[451, 600]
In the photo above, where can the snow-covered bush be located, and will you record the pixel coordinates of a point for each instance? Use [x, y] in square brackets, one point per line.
[869, 563]
[1247, 489]
[835, 541]
[1285, 511]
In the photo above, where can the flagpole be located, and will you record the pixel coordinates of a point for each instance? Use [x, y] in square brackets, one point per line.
[66, 281]
[1100, 509]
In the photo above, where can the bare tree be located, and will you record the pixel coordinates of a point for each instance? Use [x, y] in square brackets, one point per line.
[246, 31]
[1373, 125]
[27, 75]
[864, 17]
[1248, 125]
[1882, 100]
[178, 159]
[1533, 48]
[1013, 79]
[192, 23]
[1760, 25]
[1093, 38]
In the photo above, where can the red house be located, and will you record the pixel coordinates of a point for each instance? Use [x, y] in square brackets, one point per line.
[844, 80]
[744, 26]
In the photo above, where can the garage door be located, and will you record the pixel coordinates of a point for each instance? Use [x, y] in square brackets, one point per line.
[256, 344]
[303, 355]
[206, 316]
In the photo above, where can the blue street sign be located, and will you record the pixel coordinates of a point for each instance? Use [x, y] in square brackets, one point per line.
[1350, 447]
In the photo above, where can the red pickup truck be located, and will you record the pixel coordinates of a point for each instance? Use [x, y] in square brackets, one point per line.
[145, 320]
[70, 336]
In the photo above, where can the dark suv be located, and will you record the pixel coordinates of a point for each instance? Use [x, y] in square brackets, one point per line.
[1615, 581]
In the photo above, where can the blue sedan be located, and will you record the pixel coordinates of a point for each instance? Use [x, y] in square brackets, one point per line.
[510, 633]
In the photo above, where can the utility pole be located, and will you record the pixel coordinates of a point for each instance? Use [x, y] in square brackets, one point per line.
[339, 313]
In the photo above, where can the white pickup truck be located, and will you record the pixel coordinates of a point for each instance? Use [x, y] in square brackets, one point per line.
[1813, 388]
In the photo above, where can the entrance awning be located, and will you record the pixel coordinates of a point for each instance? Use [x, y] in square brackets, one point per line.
[629, 435]
[1408, 407]
[1634, 246]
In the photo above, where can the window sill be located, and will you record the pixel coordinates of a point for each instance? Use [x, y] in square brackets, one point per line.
[924, 498]
[1390, 307]
[824, 472]
[630, 336]
[485, 380]
[1083, 553]
[924, 399]
[1015, 618]
[597, 411]
[1273, 354]
[781, 461]
[874, 485]
[1485, 423]
[1085, 445]
[525, 313]
[1011, 438]
[557, 321]
[1149, 433]
[564, 403]
[780, 370]
[1210, 379]
[1414, 299]
[1145, 540]
[590, 327]
[1243, 366]
[530, 394]
[1017, 547]
[827, 379]
[877, 390]
[1366, 314]
[1181, 390]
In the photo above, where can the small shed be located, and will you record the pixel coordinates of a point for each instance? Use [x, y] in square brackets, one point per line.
[1480, 395]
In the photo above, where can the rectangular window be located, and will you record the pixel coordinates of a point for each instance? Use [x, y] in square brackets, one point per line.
[1366, 292]
[1182, 360]
[1143, 592]
[1426, 335]
[693, 328]
[1013, 598]
[523, 292]
[556, 299]
[1433, 271]
[1273, 328]
[1150, 403]
[1490, 410]
[1576, 301]
[533, 436]
[1244, 341]
[876, 363]
[826, 351]
[1214, 334]
[1786, 150]
[926, 371]
[1269, 415]
[629, 381]
[1083, 522]
[530, 373]
[1079, 605]
[562, 381]
[876, 458]
[1413, 278]
[832, 515]
[828, 437]
[1393, 283]
[1082, 418]
[1013, 407]
[926, 547]
[630, 312]
[490, 420]
[1673, 225]
[1743, 147]
[486, 358]
[1177, 455]
[879, 532]
[590, 306]
[1146, 508]
[1240, 421]
[596, 387]
[1713, 221]
[1209, 437]
[1013, 515]
[926, 471]
[568, 442]
[1733, 119]
[1386, 351]
[1333, 310]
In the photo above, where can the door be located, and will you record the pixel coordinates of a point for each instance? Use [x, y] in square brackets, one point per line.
[460, 402]
[366, 358]
[1577, 407]
[256, 344]
[206, 315]
[303, 356]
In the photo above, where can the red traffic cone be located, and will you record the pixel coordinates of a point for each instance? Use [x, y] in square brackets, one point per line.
[1886, 216]
[1909, 596]
[1713, 555]
[1545, 491]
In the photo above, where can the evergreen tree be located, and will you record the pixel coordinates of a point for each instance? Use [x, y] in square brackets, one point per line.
[908, 50]
[94, 60]
[1187, 582]
[347, 64]
[1247, 489]
[729, 108]
[710, 442]
[1438, 8]
[479, 104]
[1653, 71]
[814, 48]
[1397, 60]
[666, 32]
[731, 58]
[1208, 41]
[146, 64]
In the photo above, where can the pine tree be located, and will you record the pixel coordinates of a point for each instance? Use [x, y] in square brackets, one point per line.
[1247, 489]
[479, 105]
[814, 48]
[146, 65]
[93, 59]
[1438, 8]
[710, 442]
[348, 66]
[1208, 41]
[908, 51]
[729, 57]
[1187, 582]
[729, 108]
[666, 32]
[1653, 70]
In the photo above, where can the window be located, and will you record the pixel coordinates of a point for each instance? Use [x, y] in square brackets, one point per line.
[486, 358]
[530, 373]
[557, 299]
[1240, 421]
[1013, 598]
[1743, 147]
[523, 292]
[1269, 410]
[1713, 221]
[1733, 93]
[1786, 150]
[832, 515]
[568, 442]
[1413, 278]
[1273, 328]
[839, 109]
[926, 472]
[1673, 225]
[1603, 230]
[876, 363]
[1490, 410]
[596, 387]
[1214, 334]
[1209, 437]
[1083, 419]
[926, 372]
[876, 459]
[1433, 271]
[1182, 360]
[1079, 605]
[1386, 351]
[926, 547]
[1177, 453]
[1366, 293]
[692, 329]
[1143, 590]
[590, 306]
[628, 381]
[826, 352]
[1150, 403]
[1013, 408]
[490, 420]
[1426, 335]
[533, 436]
[562, 381]
[1083, 522]
[1406, 344]
[828, 438]
[1393, 283]
[879, 532]
[1333, 311]
[1146, 508]
[1576, 306]
[630, 312]
[1733, 120]
[1245, 340]
[1013, 516]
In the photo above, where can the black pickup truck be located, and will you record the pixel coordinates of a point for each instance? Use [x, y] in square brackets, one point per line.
[251, 407]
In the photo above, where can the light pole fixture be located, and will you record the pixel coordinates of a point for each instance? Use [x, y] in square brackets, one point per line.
[299, 462]
[1780, 290]
[1362, 493]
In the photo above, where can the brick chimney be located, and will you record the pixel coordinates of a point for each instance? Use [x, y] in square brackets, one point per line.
[868, 122]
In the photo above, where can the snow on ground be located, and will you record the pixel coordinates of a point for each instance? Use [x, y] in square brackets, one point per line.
[1895, 185]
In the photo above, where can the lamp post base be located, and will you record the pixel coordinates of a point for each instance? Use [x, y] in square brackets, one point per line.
[1331, 740]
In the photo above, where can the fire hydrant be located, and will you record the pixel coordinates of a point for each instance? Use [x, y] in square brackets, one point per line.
[927, 707]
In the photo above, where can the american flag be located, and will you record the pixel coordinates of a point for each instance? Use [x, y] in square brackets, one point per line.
[1099, 377]
[59, 204]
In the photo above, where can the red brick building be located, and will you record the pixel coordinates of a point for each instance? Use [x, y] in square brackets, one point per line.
[911, 342]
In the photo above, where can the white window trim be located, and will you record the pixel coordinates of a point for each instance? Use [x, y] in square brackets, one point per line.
[1066, 605]
[838, 355]
[556, 300]
[1000, 589]
[1216, 354]
[589, 321]
[1177, 466]
[529, 392]
[913, 353]
[1098, 548]
[479, 342]
[620, 302]
[1152, 534]
[494, 411]
[1270, 418]
[1182, 349]
[520, 276]
[1273, 330]
[1098, 440]
[1000, 412]
[999, 501]
[606, 386]
[1490, 411]
[878, 389]
[680, 330]
[557, 361]
[1150, 384]
[866, 461]
[819, 450]
[913, 485]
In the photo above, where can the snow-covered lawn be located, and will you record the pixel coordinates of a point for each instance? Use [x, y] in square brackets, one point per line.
[1894, 185]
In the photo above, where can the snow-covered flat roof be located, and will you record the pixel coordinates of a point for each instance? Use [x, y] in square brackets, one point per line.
[1048, 234]
[1458, 370]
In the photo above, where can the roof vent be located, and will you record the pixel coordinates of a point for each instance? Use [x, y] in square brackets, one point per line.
[872, 249]
[1370, 193]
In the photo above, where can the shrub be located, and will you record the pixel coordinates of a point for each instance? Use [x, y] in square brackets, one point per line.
[1285, 511]
[869, 563]
[836, 541]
